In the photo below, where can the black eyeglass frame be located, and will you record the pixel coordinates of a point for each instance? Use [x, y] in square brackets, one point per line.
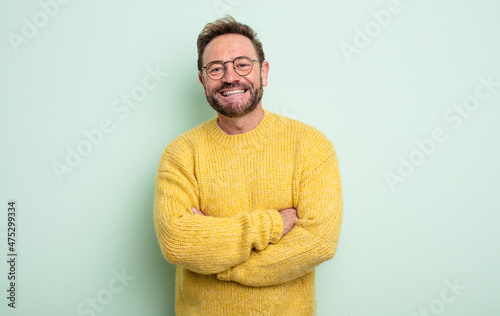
[229, 61]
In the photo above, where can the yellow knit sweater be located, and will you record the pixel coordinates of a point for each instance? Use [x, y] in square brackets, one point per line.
[234, 261]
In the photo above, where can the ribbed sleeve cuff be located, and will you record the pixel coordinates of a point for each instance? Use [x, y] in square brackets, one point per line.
[277, 229]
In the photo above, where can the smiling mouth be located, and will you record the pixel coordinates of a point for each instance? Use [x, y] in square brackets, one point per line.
[229, 93]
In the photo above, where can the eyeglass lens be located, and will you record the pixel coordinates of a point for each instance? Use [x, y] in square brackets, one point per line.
[242, 65]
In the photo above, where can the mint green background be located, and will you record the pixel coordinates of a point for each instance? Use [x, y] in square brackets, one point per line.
[397, 248]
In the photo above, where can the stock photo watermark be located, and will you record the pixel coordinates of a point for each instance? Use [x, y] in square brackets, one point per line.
[104, 297]
[455, 115]
[223, 7]
[283, 111]
[94, 137]
[363, 36]
[30, 28]
[12, 252]
[448, 295]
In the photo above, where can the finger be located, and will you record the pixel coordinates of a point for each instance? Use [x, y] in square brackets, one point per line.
[195, 211]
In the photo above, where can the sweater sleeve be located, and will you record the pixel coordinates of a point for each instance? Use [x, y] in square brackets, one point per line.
[313, 239]
[203, 244]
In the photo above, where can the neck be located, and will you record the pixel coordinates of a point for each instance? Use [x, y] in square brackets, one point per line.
[240, 125]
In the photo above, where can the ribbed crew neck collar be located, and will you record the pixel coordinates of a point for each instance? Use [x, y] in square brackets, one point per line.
[252, 138]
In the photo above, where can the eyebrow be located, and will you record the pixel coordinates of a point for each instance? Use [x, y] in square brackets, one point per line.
[221, 61]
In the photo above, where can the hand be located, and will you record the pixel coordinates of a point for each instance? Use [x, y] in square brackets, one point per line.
[195, 211]
[289, 217]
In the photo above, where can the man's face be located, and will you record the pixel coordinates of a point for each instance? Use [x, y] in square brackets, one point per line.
[233, 95]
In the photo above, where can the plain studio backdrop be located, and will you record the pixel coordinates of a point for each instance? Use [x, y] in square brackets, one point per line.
[408, 91]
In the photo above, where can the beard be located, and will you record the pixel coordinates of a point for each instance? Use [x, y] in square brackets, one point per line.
[235, 109]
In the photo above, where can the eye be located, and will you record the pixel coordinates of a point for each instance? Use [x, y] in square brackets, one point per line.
[243, 65]
[215, 70]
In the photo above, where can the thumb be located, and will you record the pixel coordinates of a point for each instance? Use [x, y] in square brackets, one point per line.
[195, 211]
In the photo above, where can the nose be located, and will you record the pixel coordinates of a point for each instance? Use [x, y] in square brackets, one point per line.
[230, 74]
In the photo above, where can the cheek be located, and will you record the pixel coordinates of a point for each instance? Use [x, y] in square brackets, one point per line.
[256, 82]
[210, 89]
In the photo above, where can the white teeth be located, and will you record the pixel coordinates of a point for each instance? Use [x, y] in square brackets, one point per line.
[233, 92]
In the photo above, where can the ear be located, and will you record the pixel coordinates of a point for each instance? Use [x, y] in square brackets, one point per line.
[200, 77]
[264, 71]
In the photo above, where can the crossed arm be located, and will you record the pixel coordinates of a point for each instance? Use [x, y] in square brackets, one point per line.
[259, 248]
[289, 217]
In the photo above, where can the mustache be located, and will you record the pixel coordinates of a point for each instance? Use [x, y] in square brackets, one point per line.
[234, 85]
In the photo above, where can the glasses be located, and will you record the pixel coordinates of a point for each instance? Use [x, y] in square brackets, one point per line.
[242, 66]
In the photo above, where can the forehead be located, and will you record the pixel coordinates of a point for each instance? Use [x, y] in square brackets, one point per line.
[227, 47]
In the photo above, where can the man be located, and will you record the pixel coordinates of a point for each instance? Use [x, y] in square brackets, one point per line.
[248, 203]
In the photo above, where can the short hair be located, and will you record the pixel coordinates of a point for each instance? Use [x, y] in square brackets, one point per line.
[226, 25]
